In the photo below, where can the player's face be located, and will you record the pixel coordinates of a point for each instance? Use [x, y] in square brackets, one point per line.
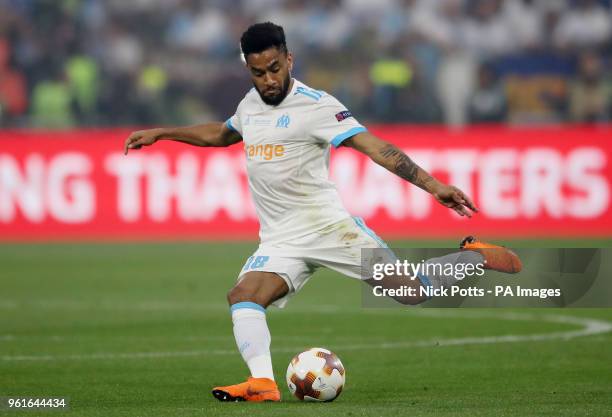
[271, 74]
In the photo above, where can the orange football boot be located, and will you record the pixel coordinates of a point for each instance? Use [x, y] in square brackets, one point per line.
[254, 389]
[497, 258]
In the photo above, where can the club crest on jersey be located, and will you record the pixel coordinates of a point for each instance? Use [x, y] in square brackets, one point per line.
[283, 121]
[343, 115]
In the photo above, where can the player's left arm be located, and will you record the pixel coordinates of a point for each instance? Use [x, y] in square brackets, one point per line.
[393, 159]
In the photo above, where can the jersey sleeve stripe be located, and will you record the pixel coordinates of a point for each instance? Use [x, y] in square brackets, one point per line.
[229, 125]
[348, 134]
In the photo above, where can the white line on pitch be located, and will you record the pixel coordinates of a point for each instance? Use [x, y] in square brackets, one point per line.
[589, 327]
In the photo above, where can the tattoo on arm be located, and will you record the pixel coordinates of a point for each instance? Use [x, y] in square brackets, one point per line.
[405, 167]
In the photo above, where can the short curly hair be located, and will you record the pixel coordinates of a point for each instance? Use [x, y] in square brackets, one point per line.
[261, 36]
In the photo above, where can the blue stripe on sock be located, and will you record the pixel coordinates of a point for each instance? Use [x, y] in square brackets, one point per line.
[247, 304]
[424, 280]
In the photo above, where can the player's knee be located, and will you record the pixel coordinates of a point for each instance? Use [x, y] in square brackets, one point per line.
[240, 294]
[410, 301]
[235, 295]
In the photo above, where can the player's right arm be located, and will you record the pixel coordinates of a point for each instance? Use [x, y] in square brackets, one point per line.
[209, 134]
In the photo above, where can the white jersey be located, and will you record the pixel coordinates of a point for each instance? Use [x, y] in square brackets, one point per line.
[287, 149]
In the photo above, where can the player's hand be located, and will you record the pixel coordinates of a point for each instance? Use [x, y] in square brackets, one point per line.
[455, 199]
[141, 138]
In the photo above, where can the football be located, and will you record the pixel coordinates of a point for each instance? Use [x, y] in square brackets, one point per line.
[316, 375]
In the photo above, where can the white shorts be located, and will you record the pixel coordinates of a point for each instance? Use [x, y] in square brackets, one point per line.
[337, 247]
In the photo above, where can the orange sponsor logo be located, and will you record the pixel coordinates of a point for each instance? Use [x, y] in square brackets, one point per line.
[266, 152]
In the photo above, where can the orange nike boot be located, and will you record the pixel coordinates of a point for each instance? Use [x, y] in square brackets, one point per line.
[254, 389]
[497, 258]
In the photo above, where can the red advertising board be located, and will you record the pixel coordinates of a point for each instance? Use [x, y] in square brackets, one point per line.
[527, 182]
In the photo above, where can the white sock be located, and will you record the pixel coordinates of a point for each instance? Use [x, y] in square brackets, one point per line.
[444, 281]
[253, 338]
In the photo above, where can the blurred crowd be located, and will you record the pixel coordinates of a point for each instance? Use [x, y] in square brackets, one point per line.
[67, 63]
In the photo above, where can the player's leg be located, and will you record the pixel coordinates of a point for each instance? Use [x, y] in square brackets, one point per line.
[343, 260]
[248, 301]
[438, 278]
[268, 277]
[472, 252]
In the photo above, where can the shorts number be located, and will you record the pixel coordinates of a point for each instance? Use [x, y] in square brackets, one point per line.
[255, 262]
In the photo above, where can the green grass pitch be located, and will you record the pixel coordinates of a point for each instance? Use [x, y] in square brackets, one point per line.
[144, 330]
